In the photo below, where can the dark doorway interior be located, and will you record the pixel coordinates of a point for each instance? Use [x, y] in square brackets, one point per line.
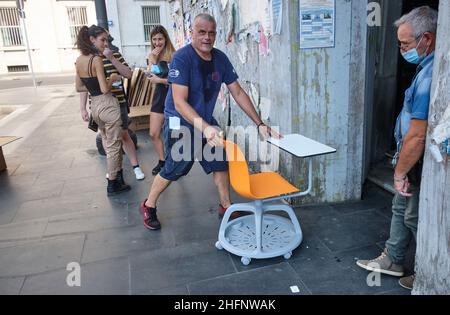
[392, 76]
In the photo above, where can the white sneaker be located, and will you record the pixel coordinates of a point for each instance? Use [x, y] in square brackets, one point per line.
[139, 174]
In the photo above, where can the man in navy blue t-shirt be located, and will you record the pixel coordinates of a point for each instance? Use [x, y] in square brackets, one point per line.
[196, 74]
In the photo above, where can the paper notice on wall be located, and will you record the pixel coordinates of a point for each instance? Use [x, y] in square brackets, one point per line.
[223, 97]
[442, 130]
[277, 16]
[317, 23]
[263, 43]
[243, 51]
[176, 6]
[265, 107]
[267, 21]
[224, 4]
[187, 28]
[254, 94]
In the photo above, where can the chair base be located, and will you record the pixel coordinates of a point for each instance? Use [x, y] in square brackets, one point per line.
[260, 236]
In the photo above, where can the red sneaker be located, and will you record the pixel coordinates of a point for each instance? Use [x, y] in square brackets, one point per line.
[150, 218]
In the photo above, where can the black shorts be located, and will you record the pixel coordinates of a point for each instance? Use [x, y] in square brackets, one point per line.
[159, 98]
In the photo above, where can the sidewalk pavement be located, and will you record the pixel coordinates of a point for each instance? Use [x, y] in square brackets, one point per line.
[54, 211]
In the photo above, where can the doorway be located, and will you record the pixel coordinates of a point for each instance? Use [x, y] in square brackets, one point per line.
[389, 76]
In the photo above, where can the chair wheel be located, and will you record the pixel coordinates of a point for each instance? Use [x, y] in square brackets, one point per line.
[245, 261]
[219, 246]
[288, 255]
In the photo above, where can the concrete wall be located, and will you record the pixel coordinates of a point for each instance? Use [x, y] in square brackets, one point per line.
[49, 36]
[128, 29]
[433, 238]
[330, 106]
[319, 93]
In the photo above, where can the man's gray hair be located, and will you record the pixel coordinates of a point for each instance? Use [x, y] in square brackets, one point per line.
[422, 19]
[206, 17]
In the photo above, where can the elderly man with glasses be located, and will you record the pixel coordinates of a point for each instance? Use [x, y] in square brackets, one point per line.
[417, 42]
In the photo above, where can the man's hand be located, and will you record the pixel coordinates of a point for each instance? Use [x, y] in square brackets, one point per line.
[266, 132]
[85, 115]
[212, 135]
[108, 53]
[402, 186]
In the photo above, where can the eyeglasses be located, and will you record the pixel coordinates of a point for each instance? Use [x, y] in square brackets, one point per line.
[406, 46]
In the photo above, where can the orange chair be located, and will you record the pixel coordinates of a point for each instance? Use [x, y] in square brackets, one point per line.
[261, 235]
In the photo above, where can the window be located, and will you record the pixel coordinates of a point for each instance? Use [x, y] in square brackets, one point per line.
[151, 18]
[77, 19]
[22, 68]
[10, 27]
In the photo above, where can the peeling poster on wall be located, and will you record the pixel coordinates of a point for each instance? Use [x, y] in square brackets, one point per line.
[317, 23]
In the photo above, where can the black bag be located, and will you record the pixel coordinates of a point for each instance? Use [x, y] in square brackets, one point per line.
[92, 124]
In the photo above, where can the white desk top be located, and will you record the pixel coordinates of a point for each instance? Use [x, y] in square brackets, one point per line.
[301, 146]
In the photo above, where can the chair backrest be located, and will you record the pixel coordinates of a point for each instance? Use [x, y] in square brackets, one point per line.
[239, 174]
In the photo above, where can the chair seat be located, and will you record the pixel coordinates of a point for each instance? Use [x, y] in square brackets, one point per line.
[268, 185]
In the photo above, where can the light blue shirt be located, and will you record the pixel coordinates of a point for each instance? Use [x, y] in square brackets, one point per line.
[417, 99]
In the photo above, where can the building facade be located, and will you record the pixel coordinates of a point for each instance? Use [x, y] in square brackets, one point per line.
[51, 26]
[130, 23]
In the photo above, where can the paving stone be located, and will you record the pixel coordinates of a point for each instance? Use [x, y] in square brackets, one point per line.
[20, 231]
[11, 286]
[103, 278]
[43, 166]
[42, 191]
[50, 207]
[272, 280]
[123, 242]
[86, 222]
[155, 270]
[353, 230]
[35, 258]
[70, 174]
[84, 185]
[339, 274]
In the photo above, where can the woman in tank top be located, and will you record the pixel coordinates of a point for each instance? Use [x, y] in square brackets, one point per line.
[159, 59]
[90, 77]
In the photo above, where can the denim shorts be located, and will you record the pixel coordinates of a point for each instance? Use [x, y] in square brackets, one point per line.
[174, 169]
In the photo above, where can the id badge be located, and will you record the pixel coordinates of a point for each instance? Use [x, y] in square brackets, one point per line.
[174, 123]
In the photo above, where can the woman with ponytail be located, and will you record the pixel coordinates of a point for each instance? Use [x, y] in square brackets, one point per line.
[90, 77]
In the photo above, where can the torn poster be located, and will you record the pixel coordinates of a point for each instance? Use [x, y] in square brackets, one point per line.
[187, 28]
[263, 42]
[254, 94]
[176, 6]
[442, 131]
[223, 97]
[243, 50]
[224, 4]
[264, 108]
[317, 23]
[277, 16]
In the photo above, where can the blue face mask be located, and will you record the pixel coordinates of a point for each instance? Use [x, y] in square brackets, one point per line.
[412, 56]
